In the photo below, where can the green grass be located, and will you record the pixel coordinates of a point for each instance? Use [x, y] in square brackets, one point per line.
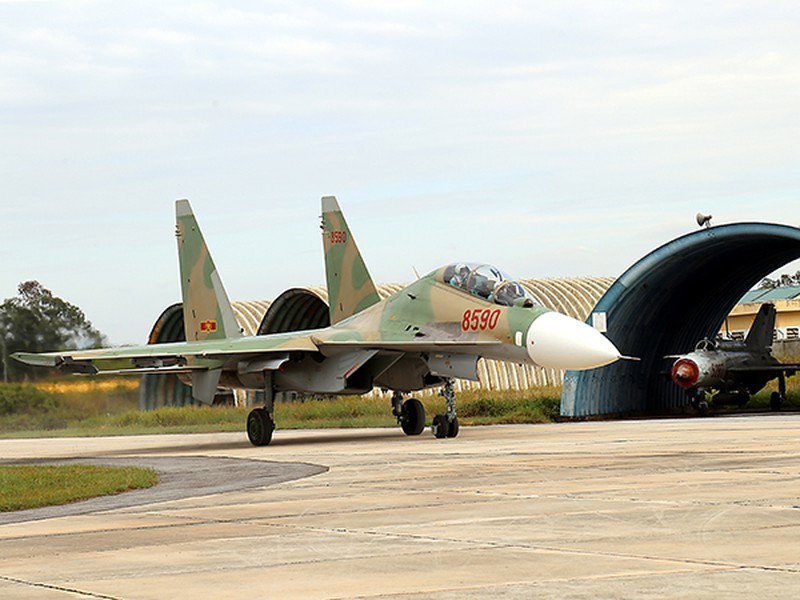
[761, 400]
[95, 407]
[83, 407]
[34, 486]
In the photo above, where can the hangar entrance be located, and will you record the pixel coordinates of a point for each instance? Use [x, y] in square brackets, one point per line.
[666, 302]
[295, 309]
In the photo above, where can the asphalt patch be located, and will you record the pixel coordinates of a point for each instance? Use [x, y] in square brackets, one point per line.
[181, 477]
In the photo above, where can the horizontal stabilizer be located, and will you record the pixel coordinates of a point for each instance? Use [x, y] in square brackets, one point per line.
[37, 360]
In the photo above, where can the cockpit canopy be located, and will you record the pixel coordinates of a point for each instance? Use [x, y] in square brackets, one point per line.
[706, 345]
[487, 282]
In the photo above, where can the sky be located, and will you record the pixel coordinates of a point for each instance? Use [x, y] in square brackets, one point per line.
[552, 139]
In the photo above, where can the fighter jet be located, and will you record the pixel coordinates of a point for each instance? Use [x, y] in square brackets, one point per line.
[735, 370]
[423, 336]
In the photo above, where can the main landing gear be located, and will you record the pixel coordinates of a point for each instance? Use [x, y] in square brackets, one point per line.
[260, 426]
[697, 399]
[777, 399]
[261, 421]
[411, 414]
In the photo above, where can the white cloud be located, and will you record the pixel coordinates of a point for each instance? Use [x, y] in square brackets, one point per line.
[569, 138]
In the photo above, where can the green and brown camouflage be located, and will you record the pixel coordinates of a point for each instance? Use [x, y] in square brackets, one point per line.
[350, 287]
[207, 311]
[422, 336]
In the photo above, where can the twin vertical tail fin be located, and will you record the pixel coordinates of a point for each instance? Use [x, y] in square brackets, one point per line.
[350, 287]
[761, 331]
[207, 312]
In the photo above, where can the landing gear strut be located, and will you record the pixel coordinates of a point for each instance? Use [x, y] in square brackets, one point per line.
[697, 399]
[260, 421]
[777, 399]
[446, 425]
[410, 414]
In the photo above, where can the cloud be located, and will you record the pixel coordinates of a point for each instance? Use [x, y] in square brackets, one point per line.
[564, 138]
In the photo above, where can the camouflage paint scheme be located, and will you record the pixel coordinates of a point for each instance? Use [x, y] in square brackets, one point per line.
[419, 337]
[350, 287]
[200, 283]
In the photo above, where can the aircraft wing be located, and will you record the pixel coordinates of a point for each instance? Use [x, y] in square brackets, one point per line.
[765, 368]
[408, 346]
[179, 357]
[183, 357]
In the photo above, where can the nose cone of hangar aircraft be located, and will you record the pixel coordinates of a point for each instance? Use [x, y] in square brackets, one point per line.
[557, 341]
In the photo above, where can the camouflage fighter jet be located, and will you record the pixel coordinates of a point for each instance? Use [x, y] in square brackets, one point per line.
[421, 337]
[734, 369]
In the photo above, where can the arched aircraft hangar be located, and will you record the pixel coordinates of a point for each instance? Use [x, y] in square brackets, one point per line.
[666, 302]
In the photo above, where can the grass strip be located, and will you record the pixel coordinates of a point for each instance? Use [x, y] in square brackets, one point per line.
[102, 408]
[475, 407]
[35, 486]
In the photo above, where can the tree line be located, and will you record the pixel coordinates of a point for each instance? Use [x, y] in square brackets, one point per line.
[37, 321]
[784, 280]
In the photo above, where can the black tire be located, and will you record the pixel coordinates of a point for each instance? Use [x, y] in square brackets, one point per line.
[440, 427]
[775, 401]
[412, 417]
[260, 427]
[452, 430]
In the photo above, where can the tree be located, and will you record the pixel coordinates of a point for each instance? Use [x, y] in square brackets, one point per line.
[784, 280]
[38, 321]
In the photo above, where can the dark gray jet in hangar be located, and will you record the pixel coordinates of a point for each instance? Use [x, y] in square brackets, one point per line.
[734, 370]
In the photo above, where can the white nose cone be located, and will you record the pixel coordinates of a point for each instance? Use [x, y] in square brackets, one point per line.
[556, 341]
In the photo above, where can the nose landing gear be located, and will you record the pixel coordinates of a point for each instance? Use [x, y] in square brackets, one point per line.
[446, 425]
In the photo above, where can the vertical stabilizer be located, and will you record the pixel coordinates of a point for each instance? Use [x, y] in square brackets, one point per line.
[760, 335]
[350, 287]
[207, 312]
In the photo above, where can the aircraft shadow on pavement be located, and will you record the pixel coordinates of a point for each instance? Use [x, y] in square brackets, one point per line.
[286, 437]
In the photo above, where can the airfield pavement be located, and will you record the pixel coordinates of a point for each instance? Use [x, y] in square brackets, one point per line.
[689, 508]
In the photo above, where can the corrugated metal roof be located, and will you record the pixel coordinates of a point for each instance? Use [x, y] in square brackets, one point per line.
[780, 293]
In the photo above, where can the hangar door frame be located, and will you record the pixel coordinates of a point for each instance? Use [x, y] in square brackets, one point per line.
[667, 301]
